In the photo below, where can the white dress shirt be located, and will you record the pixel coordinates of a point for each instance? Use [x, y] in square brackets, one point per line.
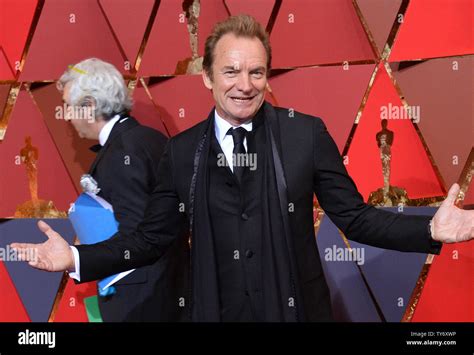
[221, 127]
[107, 129]
[225, 140]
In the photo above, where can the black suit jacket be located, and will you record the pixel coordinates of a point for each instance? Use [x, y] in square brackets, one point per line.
[126, 170]
[312, 164]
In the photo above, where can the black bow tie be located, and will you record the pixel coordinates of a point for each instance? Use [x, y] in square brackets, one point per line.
[96, 148]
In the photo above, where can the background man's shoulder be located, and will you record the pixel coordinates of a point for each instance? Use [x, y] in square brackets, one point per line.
[143, 137]
[145, 133]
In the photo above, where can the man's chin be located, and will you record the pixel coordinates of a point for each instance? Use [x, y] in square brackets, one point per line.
[245, 116]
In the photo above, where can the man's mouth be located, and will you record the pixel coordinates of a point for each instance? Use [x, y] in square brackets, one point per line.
[241, 100]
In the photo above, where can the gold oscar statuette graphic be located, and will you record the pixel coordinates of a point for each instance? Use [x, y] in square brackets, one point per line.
[35, 208]
[388, 195]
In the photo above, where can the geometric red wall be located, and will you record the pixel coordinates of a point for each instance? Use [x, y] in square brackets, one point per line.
[341, 60]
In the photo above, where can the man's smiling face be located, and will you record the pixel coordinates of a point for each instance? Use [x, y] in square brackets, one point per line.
[239, 77]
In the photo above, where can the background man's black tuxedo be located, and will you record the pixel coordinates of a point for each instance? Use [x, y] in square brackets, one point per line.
[126, 172]
[311, 164]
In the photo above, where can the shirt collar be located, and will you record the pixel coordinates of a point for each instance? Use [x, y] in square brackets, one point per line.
[221, 126]
[105, 131]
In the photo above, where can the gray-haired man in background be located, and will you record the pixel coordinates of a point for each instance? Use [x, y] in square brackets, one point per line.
[125, 169]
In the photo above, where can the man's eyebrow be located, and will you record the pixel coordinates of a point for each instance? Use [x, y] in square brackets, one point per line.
[230, 67]
[258, 68]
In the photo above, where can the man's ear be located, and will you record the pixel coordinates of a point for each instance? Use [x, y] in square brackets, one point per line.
[87, 101]
[88, 104]
[207, 80]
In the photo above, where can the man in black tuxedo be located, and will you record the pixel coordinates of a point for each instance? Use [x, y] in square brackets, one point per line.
[125, 170]
[240, 186]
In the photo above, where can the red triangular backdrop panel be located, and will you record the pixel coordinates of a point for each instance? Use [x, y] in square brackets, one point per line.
[54, 183]
[261, 12]
[379, 17]
[168, 42]
[448, 292]
[445, 122]
[410, 165]
[120, 15]
[178, 109]
[71, 305]
[11, 307]
[308, 32]
[77, 29]
[323, 93]
[15, 22]
[438, 28]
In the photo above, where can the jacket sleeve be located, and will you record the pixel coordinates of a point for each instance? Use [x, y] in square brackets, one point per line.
[161, 226]
[343, 204]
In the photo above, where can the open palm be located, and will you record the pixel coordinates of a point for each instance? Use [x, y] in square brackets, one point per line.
[52, 255]
[452, 224]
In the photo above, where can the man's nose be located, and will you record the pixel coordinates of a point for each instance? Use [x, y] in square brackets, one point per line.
[244, 83]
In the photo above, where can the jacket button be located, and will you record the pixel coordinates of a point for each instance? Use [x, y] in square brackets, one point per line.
[248, 253]
[245, 216]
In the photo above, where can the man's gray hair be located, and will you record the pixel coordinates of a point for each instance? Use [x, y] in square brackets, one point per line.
[98, 80]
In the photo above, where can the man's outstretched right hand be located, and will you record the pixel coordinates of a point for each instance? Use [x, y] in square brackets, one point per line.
[52, 255]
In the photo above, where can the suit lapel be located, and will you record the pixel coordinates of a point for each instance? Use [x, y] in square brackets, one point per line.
[283, 138]
[123, 125]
